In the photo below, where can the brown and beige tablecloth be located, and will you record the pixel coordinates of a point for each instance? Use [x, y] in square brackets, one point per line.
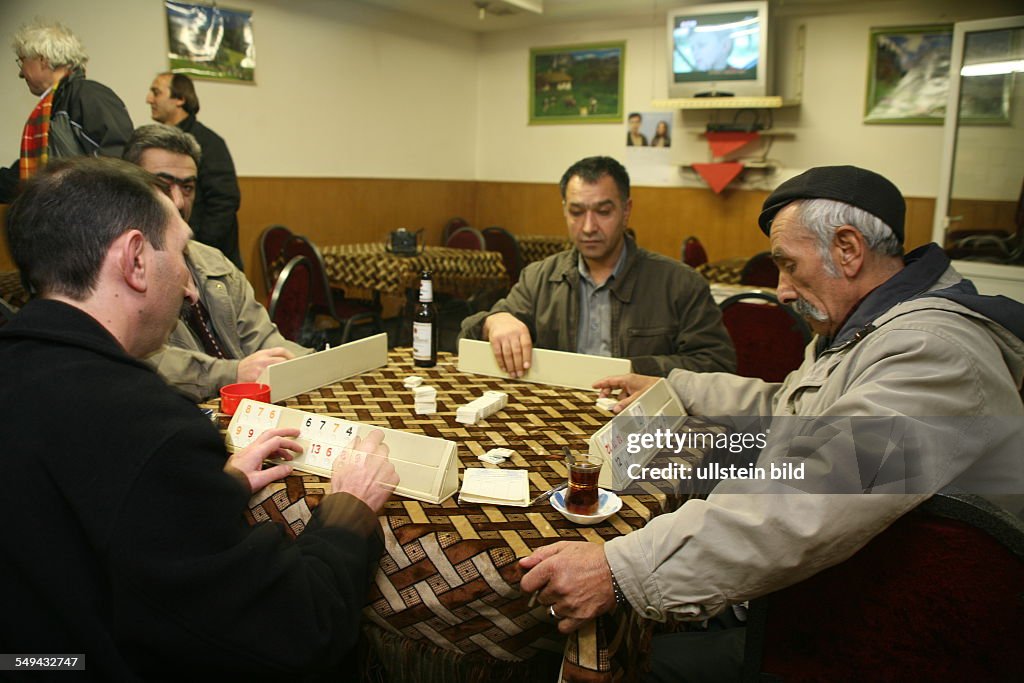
[539, 247]
[460, 272]
[448, 582]
[726, 271]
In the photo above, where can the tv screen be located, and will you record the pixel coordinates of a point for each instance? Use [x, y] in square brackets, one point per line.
[718, 47]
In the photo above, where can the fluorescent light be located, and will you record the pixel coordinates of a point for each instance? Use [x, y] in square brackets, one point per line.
[993, 68]
[535, 6]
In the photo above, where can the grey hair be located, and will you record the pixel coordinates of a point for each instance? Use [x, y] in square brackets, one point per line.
[161, 136]
[823, 216]
[52, 41]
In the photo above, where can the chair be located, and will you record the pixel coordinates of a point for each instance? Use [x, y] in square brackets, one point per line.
[466, 238]
[291, 300]
[991, 245]
[272, 241]
[7, 312]
[502, 241]
[760, 271]
[769, 337]
[937, 596]
[451, 226]
[693, 253]
[331, 303]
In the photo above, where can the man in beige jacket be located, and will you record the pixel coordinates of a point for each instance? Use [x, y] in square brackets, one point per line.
[901, 341]
[224, 336]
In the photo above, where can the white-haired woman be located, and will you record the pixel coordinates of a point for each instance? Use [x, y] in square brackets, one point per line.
[74, 116]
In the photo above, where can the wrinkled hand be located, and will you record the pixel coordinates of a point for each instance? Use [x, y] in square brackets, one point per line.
[251, 366]
[630, 386]
[510, 342]
[372, 478]
[574, 578]
[273, 443]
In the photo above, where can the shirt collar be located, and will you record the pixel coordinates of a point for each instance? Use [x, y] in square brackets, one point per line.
[584, 271]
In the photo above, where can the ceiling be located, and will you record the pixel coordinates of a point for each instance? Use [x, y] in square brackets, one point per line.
[502, 16]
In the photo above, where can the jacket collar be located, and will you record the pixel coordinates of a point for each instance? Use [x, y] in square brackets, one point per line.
[56, 321]
[622, 286]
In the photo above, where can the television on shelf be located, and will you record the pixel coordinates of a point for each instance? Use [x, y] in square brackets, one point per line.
[719, 50]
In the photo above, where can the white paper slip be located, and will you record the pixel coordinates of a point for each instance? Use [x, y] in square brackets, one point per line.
[607, 403]
[495, 487]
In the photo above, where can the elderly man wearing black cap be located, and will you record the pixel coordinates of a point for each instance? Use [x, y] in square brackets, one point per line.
[901, 341]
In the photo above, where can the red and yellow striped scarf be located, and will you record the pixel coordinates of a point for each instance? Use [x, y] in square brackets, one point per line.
[35, 139]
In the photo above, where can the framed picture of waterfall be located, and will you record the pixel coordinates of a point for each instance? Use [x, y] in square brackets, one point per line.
[209, 41]
[908, 74]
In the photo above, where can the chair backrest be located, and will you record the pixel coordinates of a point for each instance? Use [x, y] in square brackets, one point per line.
[760, 271]
[937, 596]
[272, 241]
[769, 337]
[290, 301]
[466, 238]
[320, 287]
[502, 241]
[693, 253]
[451, 226]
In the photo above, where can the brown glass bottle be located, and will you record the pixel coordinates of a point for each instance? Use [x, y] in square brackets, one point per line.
[424, 325]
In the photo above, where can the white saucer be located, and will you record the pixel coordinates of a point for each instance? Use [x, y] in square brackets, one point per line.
[607, 505]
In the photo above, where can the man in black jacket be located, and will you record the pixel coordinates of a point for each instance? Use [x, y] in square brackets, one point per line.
[129, 546]
[172, 99]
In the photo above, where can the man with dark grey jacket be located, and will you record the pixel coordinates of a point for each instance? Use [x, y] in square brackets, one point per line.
[606, 296]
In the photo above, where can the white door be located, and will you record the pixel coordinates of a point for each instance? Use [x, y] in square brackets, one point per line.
[983, 155]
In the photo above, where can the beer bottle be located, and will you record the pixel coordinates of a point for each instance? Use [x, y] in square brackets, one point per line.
[424, 325]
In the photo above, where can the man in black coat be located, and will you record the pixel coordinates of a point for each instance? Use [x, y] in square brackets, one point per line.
[127, 543]
[172, 99]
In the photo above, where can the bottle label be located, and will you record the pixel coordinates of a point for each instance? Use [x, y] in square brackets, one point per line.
[426, 291]
[421, 346]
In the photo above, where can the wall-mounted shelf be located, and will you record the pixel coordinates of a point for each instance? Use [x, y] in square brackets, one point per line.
[767, 102]
[769, 133]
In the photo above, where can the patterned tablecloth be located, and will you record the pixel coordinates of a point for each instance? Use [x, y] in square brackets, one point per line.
[449, 578]
[460, 272]
[11, 290]
[726, 271]
[539, 247]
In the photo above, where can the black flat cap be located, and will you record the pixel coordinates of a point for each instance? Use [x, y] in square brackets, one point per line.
[864, 189]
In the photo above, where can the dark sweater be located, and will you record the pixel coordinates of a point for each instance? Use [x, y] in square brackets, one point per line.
[125, 540]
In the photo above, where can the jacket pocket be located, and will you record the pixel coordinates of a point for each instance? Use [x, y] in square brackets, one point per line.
[650, 341]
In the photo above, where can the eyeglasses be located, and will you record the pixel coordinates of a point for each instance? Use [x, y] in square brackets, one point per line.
[187, 185]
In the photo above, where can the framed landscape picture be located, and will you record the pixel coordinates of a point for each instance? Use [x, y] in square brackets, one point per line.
[908, 74]
[211, 42]
[577, 83]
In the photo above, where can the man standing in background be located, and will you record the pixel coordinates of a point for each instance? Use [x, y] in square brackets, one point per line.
[73, 116]
[173, 100]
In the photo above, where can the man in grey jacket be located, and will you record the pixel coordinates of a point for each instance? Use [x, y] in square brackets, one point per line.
[905, 348]
[606, 296]
[225, 335]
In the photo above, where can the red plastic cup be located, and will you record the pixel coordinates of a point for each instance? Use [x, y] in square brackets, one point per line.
[232, 394]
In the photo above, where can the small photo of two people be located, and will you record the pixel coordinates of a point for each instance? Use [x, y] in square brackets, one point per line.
[649, 129]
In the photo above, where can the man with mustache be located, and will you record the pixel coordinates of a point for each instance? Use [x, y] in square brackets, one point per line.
[224, 334]
[606, 296]
[912, 372]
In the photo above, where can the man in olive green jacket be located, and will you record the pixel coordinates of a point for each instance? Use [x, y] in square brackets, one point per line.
[606, 296]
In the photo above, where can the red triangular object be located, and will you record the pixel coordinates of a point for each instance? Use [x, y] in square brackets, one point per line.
[724, 142]
[717, 176]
